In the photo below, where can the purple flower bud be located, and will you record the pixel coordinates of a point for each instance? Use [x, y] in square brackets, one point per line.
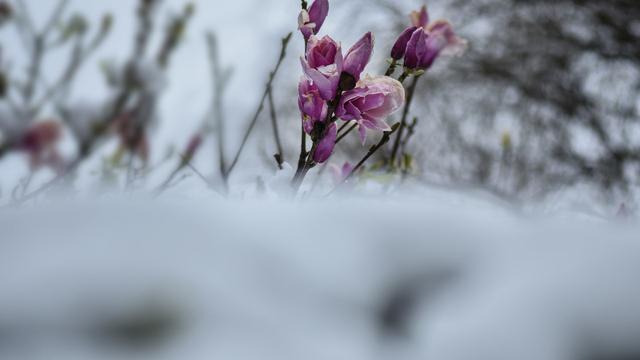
[358, 56]
[325, 146]
[370, 103]
[310, 21]
[312, 107]
[422, 43]
[419, 19]
[416, 51]
[426, 45]
[323, 65]
[399, 48]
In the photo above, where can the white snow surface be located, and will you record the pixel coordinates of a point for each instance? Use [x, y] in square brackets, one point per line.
[289, 280]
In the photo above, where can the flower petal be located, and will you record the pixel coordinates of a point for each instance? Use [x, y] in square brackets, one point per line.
[362, 130]
[318, 13]
[359, 56]
[326, 145]
[400, 47]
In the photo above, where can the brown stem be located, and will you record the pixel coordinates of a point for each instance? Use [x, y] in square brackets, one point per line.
[219, 79]
[276, 133]
[343, 126]
[303, 170]
[403, 122]
[392, 67]
[167, 182]
[305, 165]
[385, 139]
[173, 35]
[346, 133]
[302, 159]
[411, 131]
[403, 77]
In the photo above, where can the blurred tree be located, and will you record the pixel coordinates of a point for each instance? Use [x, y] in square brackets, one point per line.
[545, 98]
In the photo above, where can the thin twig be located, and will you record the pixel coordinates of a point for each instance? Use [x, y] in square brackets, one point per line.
[173, 34]
[392, 67]
[346, 133]
[34, 69]
[302, 172]
[403, 122]
[79, 56]
[302, 159]
[38, 48]
[385, 139]
[167, 182]
[55, 17]
[219, 78]
[26, 19]
[276, 132]
[411, 128]
[252, 124]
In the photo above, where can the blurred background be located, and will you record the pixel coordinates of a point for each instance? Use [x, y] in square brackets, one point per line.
[543, 105]
[542, 108]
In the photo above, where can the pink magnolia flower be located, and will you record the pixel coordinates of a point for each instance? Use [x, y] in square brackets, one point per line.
[312, 107]
[359, 56]
[426, 45]
[422, 43]
[370, 103]
[326, 144]
[310, 21]
[323, 65]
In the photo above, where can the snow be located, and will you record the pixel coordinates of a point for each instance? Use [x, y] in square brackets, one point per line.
[288, 280]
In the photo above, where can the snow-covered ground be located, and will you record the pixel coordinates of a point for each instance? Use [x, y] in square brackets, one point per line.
[443, 276]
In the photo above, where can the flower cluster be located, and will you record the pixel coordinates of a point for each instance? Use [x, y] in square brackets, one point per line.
[333, 86]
